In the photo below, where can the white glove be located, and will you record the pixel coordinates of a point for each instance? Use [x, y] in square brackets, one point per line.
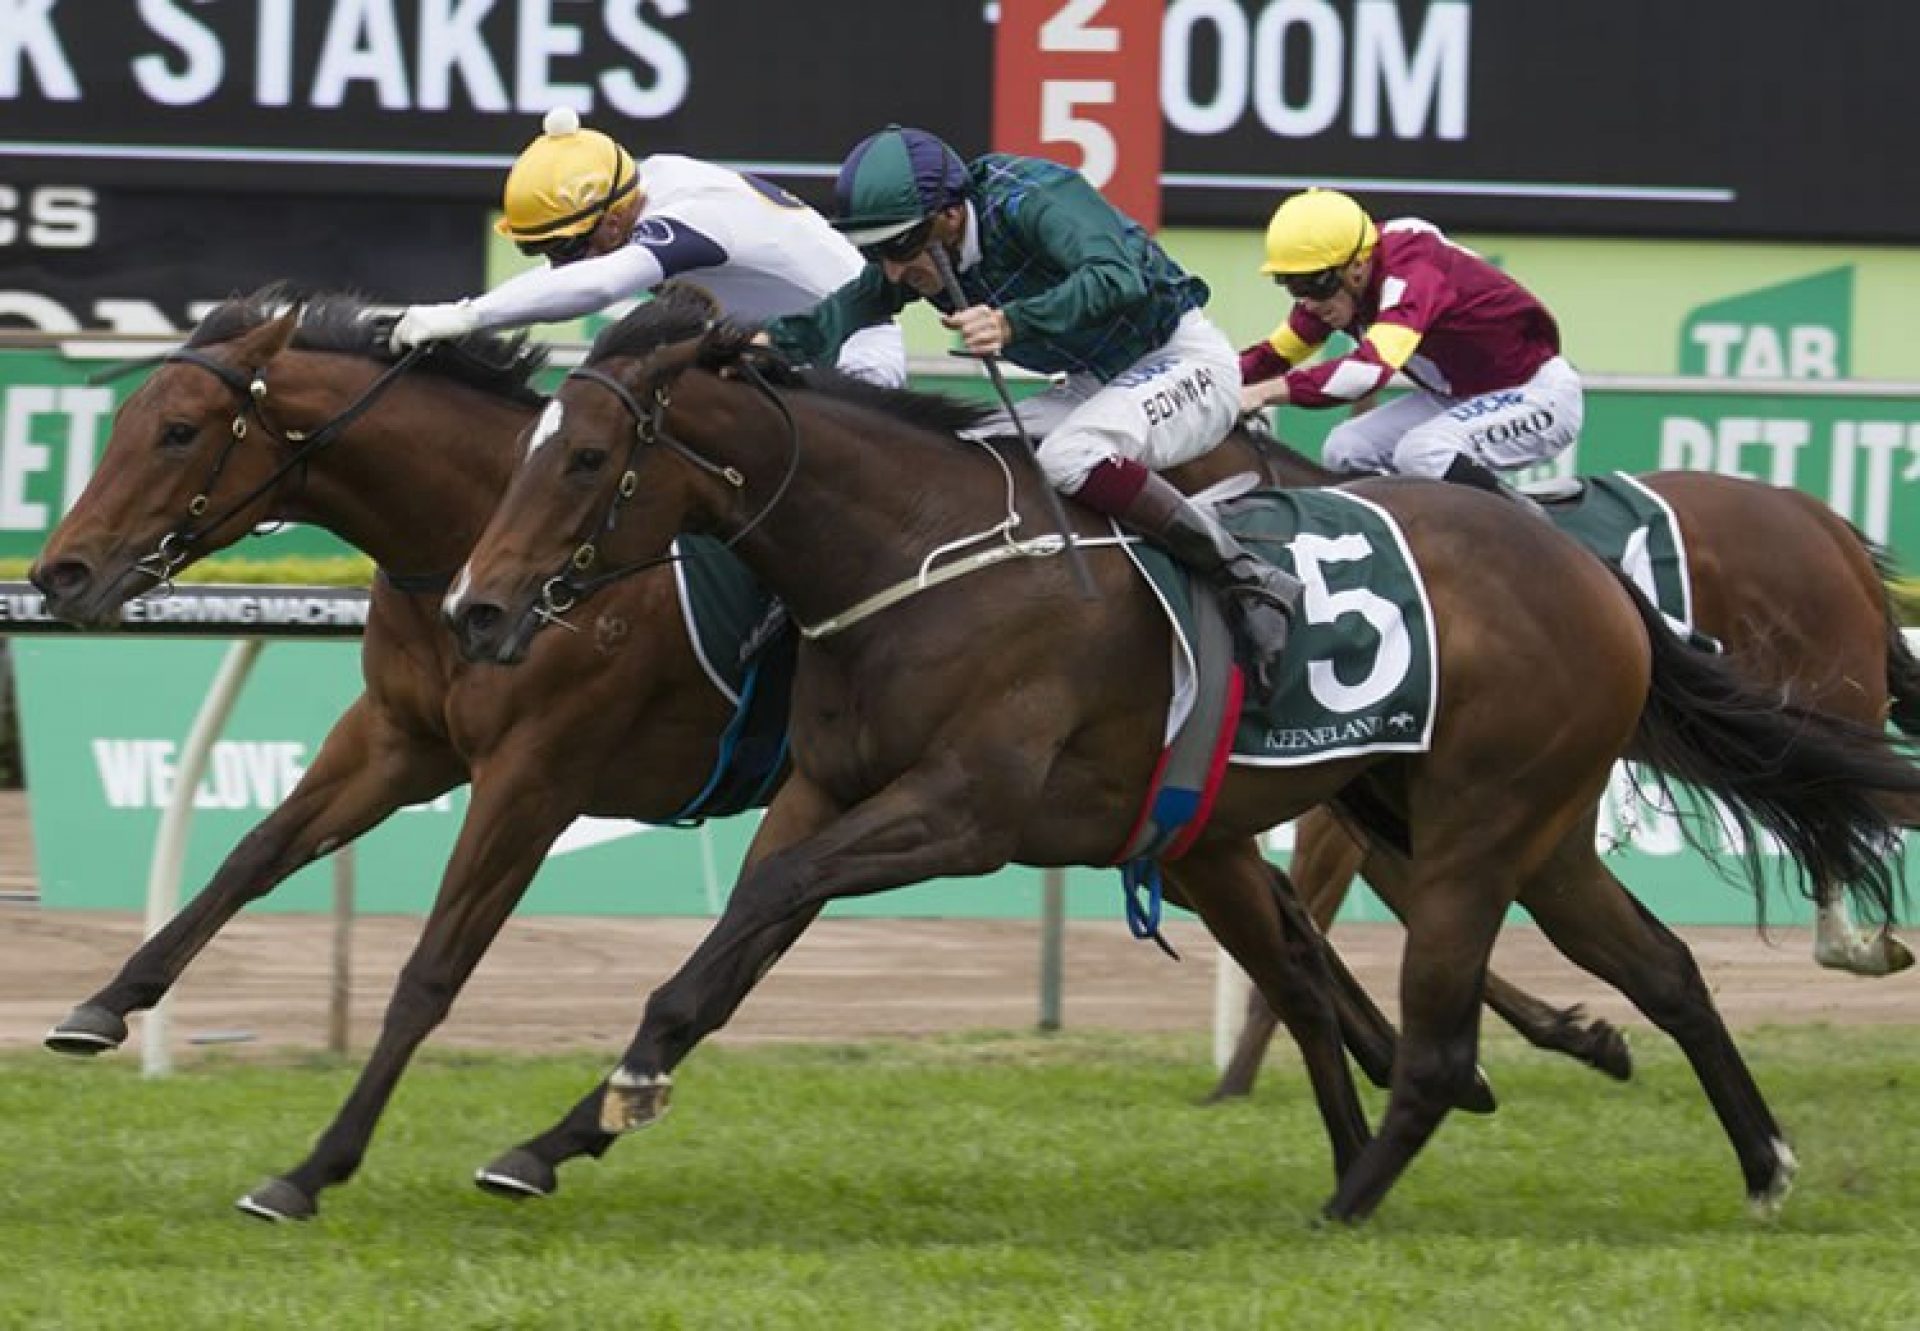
[419, 324]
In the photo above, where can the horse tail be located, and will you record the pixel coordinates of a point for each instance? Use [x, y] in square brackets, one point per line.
[1903, 669]
[1809, 779]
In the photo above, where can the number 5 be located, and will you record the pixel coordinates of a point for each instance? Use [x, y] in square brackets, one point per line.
[1099, 154]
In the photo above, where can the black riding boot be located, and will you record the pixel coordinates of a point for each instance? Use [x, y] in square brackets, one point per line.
[1463, 470]
[1261, 599]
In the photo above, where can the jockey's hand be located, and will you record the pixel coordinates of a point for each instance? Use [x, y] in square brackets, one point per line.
[420, 324]
[1256, 398]
[982, 328]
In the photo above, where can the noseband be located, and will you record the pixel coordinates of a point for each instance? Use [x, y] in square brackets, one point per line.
[567, 588]
[176, 546]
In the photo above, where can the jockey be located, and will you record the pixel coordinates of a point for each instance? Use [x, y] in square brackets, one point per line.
[1491, 387]
[1056, 280]
[610, 230]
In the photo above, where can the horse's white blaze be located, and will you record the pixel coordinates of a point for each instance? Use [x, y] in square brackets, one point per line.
[545, 428]
[452, 604]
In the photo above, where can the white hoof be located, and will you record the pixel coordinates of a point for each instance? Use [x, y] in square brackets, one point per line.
[1766, 1205]
[1883, 954]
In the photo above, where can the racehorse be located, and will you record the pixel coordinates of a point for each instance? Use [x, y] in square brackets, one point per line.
[1001, 717]
[1804, 610]
[284, 410]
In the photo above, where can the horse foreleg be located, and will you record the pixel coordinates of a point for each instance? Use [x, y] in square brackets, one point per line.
[1452, 918]
[365, 770]
[508, 828]
[1325, 858]
[1839, 945]
[1249, 908]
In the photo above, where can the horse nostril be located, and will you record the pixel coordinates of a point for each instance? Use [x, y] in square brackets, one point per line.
[477, 619]
[64, 578]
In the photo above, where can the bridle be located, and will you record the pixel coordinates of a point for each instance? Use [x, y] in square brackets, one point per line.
[567, 588]
[176, 547]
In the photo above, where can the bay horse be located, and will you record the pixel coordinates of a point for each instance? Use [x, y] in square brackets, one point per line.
[1805, 611]
[282, 408]
[1002, 718]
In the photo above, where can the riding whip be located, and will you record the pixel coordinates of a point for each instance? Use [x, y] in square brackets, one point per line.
[944, 266]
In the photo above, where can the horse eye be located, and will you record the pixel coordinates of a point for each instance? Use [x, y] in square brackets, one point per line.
[587, 460]
[178, 434]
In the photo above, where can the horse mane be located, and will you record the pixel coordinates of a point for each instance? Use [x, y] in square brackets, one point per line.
[502, 365]
[680, 313]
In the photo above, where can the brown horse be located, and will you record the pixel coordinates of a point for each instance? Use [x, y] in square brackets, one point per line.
[288, 412]
[1004, 718]
[1805, 611]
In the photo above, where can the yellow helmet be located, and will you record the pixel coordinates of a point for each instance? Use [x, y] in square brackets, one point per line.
[1315, 231]
[564, 182]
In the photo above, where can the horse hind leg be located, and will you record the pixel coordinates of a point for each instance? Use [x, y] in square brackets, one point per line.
[1602, 928]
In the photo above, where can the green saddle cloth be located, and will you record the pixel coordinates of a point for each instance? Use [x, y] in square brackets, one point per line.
[1359, 674]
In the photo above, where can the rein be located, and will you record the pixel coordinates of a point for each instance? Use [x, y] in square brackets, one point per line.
[564, 590]
[176, 546]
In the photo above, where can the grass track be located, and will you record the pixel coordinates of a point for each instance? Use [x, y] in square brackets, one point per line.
[988, 1181]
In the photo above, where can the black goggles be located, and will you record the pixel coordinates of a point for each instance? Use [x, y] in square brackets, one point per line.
[561, 249]
[903, 248]
[1311, 286]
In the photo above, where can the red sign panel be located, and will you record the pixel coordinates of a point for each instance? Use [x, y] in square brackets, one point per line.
[1078, 81]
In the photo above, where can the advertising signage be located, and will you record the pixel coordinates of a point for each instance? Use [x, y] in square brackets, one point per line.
[1595, 116]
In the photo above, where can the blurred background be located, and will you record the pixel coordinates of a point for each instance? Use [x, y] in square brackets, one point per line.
[1710, 196]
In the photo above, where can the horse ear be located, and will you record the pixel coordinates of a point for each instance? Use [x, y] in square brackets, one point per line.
[271, 338]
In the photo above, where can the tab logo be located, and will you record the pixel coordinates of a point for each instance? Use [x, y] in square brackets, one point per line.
[1797, 330]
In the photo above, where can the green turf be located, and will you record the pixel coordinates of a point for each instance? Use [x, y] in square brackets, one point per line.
[993, 1181]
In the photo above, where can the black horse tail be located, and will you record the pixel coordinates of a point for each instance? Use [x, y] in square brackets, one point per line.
[1809, 779]
[1903, 670]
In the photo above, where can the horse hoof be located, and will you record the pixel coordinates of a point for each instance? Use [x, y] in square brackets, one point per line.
[88, 1030]
[632, 1101]
[1883, 954]
[1225, 1093]
[277, 1199]
[518, 1175]
[1479, 1098]
[1611, 1052]
[1765, 1203]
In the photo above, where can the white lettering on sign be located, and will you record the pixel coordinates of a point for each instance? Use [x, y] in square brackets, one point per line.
[192, 71]
[28, 41]
[240, 775]
[24, 455]
[1754, 351]
[1421, 80]
[361, 48]
[57, 217]
[1869, 460]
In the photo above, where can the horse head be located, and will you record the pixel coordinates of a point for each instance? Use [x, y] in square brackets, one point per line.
[609, 478]
[184, 449]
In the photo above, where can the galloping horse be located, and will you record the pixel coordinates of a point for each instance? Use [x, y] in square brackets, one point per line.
[289, 411]
[1804, 611]
[1002, 718]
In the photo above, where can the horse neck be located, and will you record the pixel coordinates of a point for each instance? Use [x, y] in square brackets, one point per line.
[870, 499]
[412, 482]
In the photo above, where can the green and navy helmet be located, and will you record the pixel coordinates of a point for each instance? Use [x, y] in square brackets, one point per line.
[893, 181]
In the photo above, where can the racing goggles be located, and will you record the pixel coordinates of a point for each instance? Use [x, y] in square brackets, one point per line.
[561, 249]
[903, 248]
[1322, 285]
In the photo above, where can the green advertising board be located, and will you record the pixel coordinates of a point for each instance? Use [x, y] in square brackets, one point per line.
[53, 425]
[104, 720]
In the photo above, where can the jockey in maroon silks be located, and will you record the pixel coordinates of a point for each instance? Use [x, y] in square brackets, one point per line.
[1491, 391]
